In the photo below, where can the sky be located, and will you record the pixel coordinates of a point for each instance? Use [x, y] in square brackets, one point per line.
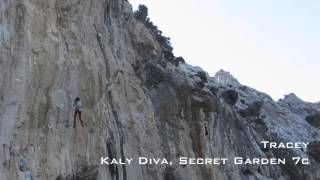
[270, 45]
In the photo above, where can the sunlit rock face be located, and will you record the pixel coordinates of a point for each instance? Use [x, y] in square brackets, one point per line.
[135, 103]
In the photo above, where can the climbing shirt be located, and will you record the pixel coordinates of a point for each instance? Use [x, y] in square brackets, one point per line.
[78, 105]
[23, 165]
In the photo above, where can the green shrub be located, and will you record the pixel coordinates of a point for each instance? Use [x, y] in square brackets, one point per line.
[202, 75]
[230, 96]
[178, 60]
[142, 15]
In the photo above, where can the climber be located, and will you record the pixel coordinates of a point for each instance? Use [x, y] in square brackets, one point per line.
[77, 111]
[24, 167]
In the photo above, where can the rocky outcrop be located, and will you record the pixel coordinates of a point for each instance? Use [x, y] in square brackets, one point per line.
[135, 102]
[298, 106]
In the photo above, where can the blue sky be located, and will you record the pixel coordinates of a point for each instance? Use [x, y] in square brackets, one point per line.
[270, 45]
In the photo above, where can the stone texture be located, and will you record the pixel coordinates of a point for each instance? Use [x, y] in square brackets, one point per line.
[314, 150]
[135, 104]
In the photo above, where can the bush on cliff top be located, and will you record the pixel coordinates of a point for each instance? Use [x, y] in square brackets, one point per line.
[142, 15]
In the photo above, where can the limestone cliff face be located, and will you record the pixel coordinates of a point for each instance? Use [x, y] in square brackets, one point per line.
[135, 103]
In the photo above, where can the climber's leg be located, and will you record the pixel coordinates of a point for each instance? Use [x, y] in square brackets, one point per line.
[79, 112]
[74, 119]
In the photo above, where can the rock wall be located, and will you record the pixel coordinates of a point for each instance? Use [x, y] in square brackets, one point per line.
[135, 103]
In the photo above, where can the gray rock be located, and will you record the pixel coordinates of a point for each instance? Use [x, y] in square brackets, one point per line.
[314, 150]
